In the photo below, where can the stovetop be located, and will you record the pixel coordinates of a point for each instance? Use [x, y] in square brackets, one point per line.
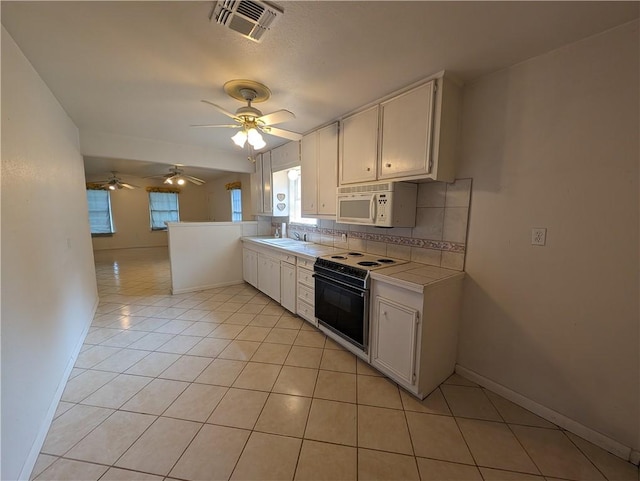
[363, 261]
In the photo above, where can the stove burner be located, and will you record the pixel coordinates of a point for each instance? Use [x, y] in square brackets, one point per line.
[368, 263]
[338, 257]
[386, 261]
[355, 254]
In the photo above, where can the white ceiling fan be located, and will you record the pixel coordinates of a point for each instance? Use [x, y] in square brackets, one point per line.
[115, 183]
[176, 176]
[250, 120]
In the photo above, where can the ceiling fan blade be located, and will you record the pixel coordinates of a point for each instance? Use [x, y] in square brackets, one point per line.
[231, 126]
[194, 180]
[128, 186]
[276, 117]
[285, 134]
[220, 109]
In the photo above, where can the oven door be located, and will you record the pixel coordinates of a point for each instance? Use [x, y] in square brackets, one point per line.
[343, 309]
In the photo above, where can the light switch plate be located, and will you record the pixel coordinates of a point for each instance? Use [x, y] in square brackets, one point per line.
[538, 236]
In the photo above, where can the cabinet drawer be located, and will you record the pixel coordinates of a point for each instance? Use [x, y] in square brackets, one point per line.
[306, 294]
[306, 263]
[288, 258]
[306, 277]
[307, 312]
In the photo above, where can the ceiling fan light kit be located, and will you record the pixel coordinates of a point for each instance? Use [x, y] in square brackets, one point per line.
[115, 183]
[177, 176]
[250, 120]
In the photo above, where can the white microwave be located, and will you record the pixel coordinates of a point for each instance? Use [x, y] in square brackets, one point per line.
[385, 204]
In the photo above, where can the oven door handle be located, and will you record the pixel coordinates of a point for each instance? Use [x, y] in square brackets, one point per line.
[360, 292]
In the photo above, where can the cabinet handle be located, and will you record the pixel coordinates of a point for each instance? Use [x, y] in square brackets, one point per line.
[368, 169]
[384, 313]
[388, 165]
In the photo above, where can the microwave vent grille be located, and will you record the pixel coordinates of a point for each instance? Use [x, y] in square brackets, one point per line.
[354, 189]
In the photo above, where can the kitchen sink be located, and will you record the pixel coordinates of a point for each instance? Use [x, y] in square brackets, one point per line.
[285, 242]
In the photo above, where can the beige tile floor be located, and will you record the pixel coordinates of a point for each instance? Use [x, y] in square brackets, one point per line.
[224, 384]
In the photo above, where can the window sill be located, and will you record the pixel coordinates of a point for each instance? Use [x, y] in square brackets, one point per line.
[103, 235]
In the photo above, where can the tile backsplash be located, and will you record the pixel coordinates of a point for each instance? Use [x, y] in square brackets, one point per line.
[439, 237]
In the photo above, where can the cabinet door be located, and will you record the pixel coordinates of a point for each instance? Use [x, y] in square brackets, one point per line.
[267, 194]
[257, 198]
[308, 173]
[407, 130]
[394, 329]
[288, 286]
[264, 273]
[327, 171]
[359, 145]
[274, 279]
[250, 266]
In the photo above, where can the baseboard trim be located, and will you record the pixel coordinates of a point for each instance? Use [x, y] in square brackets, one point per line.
[32, 458]
[204, 288]
[599, 439]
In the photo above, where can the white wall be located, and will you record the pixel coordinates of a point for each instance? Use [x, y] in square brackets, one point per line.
[48, 278]
[130, 212]
[553, 142]
[205, 255]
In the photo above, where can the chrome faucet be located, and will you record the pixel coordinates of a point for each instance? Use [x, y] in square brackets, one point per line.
[296, 235]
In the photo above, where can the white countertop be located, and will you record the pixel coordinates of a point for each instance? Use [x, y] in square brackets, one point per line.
[308, 250]
[412, 275]
[415, 276]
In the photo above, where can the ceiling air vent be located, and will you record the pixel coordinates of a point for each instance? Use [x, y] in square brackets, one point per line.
[252, 18]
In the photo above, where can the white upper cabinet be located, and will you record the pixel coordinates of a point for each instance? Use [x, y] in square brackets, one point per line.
[257, 199]
[261, 200]
[359, 147]
[416, 136]
[285, 156]
[406, 131]
[309, 173]
[327, 169]
[267, 194]
[319, 171]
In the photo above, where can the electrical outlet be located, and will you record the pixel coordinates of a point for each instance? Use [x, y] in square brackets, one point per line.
[344, 237]
[538, 236]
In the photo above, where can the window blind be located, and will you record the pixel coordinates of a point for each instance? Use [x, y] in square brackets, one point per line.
[163, 207]
[100, 219]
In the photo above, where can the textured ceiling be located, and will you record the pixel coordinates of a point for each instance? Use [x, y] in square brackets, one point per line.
[140, 68]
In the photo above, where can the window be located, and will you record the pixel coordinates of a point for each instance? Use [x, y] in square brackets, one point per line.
[295, 196]
[99, 204]
[236, 205]
[163, 207]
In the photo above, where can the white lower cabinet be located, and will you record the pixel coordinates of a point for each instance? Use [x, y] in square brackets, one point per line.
[306, 291]
[414, 332]
[288, 286]
[394, 345]
[269, 274]
[250, 266]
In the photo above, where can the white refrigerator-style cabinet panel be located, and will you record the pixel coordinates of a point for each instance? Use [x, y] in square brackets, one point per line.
[406, 133]
[359, 147]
